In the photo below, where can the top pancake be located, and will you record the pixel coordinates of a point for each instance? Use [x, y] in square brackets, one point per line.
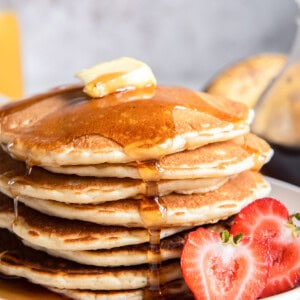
[66, 127]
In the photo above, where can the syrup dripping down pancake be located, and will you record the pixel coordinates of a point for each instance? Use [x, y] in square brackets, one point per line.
[121, 256]
[41, 268]
[190, 210]
[182, 210]
[170, 248]
[218, 161]
[57, 233]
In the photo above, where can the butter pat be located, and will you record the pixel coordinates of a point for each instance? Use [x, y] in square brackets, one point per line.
[121, 74]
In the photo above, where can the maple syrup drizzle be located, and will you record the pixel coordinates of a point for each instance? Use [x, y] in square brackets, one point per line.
[16, 210]
[29, 167]
[18, 179]
[153, 212]
[11, 182]
[15, 106]
[154, 291]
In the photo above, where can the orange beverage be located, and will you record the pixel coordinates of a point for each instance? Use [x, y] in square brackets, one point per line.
[10, 60]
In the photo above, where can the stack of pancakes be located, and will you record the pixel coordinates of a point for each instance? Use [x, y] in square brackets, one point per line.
[94, 191]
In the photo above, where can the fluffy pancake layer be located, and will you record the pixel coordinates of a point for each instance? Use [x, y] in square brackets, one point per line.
[215, 160]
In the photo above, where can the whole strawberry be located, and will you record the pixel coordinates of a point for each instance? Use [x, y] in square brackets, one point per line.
[217, 266]
[267, 220]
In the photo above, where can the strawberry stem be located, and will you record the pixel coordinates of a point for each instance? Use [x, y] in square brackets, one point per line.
[225, 236]
[237, 238]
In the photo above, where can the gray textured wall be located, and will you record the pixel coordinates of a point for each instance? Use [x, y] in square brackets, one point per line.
[184, 41]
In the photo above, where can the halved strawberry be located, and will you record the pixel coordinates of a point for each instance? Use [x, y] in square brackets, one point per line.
[285, 267]
[267, 220]
[214, 269]
[262, 219]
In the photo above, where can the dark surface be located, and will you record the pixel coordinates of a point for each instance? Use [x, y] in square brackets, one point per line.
[285, 165]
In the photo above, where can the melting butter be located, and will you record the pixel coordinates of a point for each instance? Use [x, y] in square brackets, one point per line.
[119, 75]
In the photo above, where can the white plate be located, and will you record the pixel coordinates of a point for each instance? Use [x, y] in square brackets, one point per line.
[290, 196]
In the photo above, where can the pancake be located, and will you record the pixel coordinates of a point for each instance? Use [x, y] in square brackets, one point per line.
[73, 189]
[181, 210]
[246, 80]
[65, 127]
[41, 268]
[170, 248]
[57, 233]
[122, 256]
[213, 160]
[176, 288]
[6, 211]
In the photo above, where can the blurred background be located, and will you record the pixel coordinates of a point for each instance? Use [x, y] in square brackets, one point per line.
[185, 42]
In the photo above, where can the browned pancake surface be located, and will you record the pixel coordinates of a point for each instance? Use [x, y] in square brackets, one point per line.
[16, 253]
[64, 234]
[78, 122]
[64, 228]
[36, 266]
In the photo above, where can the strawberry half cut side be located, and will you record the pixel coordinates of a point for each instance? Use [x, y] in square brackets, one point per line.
[214, 269]
[262, 219]
[267, 220]
[284, 271]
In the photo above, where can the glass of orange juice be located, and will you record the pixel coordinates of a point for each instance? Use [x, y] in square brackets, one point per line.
[10, 58]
